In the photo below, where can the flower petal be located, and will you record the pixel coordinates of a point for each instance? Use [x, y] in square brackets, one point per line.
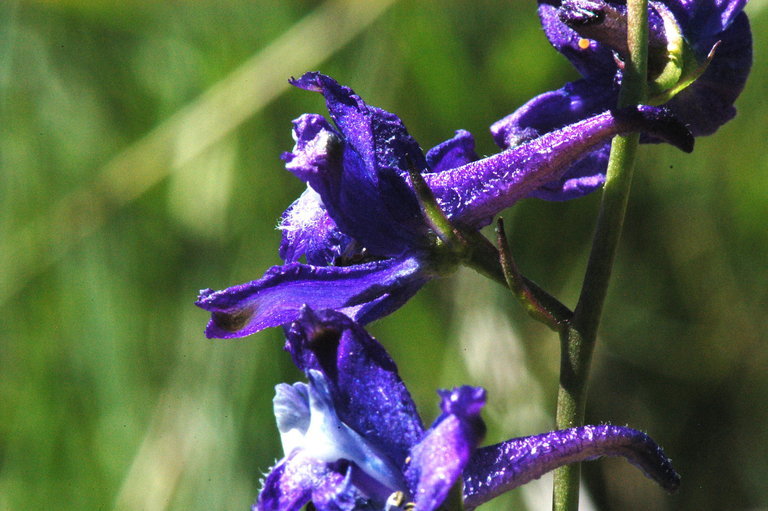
[554, 110]
[378, 136]
[292, 414]
[368, 393]
[363, 185]
[498, 468]
[436, 463]
[702, 19]
[473, 194]
[309, 231]
[594, 60]
[330, 439]
[452, 153]
[277, 298]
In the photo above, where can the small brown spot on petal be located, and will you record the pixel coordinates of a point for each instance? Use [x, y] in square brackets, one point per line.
[324, 336]
[232, 321]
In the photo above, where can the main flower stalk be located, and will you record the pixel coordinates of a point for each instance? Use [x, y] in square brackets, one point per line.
[578, 341]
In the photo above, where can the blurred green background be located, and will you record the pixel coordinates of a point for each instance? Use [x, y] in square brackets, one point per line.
[139, 150]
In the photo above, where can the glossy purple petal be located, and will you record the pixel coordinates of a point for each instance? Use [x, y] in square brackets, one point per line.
[379, 136]
[362, 183]
[452, 153]
[704, 18]
[596, 60]
[498, 468]
[368, 394]
[277, 298]
[473, 194]
[437, 461]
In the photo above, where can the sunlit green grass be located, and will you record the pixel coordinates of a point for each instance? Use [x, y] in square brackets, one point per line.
[139, 162]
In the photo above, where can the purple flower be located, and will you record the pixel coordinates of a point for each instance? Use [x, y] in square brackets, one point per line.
[353, 439]
[684, 34]
[359, 226]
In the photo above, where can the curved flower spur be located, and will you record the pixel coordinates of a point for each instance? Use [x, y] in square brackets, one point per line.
[353, 438]
[359, 225]
[700, 55]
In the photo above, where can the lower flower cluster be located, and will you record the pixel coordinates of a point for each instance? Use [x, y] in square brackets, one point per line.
[353, 439]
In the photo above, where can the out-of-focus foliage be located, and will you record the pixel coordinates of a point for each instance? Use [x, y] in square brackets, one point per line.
[139, 162]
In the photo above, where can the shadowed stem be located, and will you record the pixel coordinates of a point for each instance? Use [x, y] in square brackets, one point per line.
[578, 341]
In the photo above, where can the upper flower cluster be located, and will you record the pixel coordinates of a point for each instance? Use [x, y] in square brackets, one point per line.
[700, 54]
[353, 439]
[359, 225]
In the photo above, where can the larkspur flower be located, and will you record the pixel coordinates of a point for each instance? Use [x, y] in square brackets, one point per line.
[368, 247]
[353, 439]
[700, 55]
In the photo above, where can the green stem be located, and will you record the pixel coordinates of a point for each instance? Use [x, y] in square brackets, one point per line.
[578, 340]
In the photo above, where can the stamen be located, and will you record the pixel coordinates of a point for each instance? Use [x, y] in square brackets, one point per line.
[584, 44]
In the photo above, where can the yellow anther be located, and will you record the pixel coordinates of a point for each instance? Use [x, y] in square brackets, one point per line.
[584, 43]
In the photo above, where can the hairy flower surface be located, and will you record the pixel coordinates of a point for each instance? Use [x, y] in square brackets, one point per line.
[700, 54]
[359, 225]
[353, 439]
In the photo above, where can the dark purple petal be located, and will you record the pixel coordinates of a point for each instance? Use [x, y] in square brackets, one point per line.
[708, 103]
[378, 136]
[309, 231]
[471, 195]
[596, 60]
[362, 183]
[277, 298]
[704, 18]
[452, 153]
[553, 110]
[368, 394]
[289, 484]
[436, 463]
[315, 147]
[498, 468]
[342, 496]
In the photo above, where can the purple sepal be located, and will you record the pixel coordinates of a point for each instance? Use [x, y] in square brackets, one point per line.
[363, 172]
[279, 295]
[498, 468]
[436, 463]
[452, 153]
[368, 393]
[703, 19]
